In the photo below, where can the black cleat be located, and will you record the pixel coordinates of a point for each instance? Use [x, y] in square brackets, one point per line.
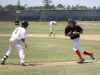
[2, 62]
[81, 60]
[3, 59]
[92, 56]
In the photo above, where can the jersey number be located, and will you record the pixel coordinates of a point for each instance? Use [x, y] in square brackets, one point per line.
[16, 31]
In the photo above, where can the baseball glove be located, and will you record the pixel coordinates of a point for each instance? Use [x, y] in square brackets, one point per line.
[70, 34]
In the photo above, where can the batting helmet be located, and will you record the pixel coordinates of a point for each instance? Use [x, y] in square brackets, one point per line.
[51, 19]
[25, 23]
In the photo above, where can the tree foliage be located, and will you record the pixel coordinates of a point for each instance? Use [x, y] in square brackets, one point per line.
[46, 4]
[18, 2]
[9, 7]
[60, 6]
[1, 8]
[14, 7]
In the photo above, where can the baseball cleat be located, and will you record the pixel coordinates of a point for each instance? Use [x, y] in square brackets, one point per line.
[81, 60]
[92, 56]
[2, 62]
[23, 64]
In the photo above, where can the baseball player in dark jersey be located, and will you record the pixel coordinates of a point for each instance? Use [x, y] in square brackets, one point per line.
[16, 22]
[74, 31]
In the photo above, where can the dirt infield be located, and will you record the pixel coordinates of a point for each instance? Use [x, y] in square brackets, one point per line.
[47, 64]
[85, 37]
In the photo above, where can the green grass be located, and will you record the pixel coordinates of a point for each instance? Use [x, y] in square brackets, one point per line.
[50, 50]
[83, 69]
[90, 27]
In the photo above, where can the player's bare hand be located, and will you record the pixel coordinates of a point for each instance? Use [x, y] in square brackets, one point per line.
[75, 33]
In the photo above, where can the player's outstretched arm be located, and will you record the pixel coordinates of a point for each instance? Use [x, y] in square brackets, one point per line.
[23, 40]
[81, 32]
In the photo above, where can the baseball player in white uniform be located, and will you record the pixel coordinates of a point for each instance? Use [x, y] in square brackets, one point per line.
[17, 36]
[52, 25]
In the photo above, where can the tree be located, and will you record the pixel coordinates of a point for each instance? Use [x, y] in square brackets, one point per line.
[74, 7]
[79, 7]
[46, 4]
[9, 7]
[52, 6]
[83, 7]
[68, 7]
[98, 7]
[94, 7]
[1, 8]
[16, 7]
[60, 6]
[18, 2]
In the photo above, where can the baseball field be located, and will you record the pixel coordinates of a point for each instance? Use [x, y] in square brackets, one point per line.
[53, 55]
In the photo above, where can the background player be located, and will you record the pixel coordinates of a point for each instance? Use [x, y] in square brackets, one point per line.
[16, 22]
[52, 25]
[75, 37]
[17, 36]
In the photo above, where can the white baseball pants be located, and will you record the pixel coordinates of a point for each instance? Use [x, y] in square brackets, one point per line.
[52, 28]
[76, 45]
[14, 43]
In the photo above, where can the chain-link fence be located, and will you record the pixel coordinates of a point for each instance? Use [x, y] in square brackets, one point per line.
[45, 15]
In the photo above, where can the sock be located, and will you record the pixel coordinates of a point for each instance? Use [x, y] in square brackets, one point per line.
[5, 57]
[79, 54]
[86, 53]
[51, 32]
